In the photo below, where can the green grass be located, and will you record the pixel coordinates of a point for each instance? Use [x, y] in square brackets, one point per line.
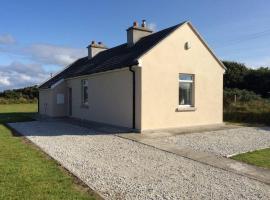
[259, 158]
[25, 171]
[18, 108]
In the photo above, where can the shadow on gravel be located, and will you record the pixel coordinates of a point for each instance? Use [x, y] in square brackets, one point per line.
[62, 126]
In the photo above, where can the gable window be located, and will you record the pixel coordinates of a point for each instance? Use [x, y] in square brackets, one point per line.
[186, 90]
[84, 89]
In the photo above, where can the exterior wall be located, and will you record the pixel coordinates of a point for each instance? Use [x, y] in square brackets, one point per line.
[160, 70]
[109, 98]
[45, 102]
[48, 101]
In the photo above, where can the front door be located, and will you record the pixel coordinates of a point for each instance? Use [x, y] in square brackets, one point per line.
[70, 101]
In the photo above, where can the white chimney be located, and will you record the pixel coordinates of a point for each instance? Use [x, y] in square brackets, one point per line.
[95, 48]
[136, 32]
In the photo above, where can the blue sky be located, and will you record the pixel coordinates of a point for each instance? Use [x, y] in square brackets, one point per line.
[41, 37]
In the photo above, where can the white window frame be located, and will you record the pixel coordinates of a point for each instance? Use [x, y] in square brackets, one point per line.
[193, 90]
[84, 83]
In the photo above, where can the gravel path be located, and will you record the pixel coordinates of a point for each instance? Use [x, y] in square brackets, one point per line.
[223, 142]
[122, 169]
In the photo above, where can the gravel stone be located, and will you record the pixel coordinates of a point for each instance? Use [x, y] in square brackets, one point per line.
[223, 142]
[123, 169]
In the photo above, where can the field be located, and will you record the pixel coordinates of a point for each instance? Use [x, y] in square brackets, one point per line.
[26, 172]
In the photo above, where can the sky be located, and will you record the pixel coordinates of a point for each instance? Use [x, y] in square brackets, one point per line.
[39, 38]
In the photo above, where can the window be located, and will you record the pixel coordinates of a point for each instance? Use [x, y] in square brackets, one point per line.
[186, 87]
[84, 92]
[60, 98]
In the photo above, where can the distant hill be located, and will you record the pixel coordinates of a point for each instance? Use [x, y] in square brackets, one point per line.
[22, 95]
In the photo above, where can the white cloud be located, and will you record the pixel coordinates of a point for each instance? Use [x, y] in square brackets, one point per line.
[4, 80]
[17, 75]
[53, 54]
[152, 26]
[7, 39]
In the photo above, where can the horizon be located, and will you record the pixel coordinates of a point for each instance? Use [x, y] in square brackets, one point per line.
[44, 37]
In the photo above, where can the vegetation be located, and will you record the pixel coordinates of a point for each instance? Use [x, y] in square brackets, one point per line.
[26, 172]
[239, 76]
[23, 95]
[259, 158]
[246, 96]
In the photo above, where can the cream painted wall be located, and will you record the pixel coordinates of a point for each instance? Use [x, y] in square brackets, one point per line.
[48, 101]
[160, 70]
[110, 98]
[45, 102]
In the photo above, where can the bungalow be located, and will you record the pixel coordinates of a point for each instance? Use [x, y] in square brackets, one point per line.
[160, 80]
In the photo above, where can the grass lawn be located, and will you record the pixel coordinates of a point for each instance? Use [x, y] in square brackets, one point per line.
[25, 171]
[259, 158]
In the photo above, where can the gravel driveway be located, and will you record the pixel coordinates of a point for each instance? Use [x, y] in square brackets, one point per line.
[223, 142]
[123, 169]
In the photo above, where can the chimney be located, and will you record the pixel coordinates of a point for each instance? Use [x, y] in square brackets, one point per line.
[95, 48]
[136, 32]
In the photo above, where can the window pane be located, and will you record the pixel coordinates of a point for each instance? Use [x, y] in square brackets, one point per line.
[186, 77]
[185, 93]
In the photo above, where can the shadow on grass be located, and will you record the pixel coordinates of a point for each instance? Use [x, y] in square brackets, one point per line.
[16, 117]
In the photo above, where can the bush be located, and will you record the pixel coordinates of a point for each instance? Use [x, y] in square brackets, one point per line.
[20, 100]
[17, 96]
[26, 93]
[238, 96]
[248, 117]
[248, 108]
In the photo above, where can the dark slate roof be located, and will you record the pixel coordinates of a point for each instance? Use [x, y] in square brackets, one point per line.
[114, 58]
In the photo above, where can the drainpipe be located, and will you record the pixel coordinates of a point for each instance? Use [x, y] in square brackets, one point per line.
[38, 101]
[133, 96]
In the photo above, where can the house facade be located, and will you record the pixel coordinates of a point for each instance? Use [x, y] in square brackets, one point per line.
[160, 80]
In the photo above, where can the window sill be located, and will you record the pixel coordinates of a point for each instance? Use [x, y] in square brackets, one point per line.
[185, 108]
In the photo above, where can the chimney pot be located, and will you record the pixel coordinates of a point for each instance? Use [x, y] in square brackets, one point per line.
[100, 43]
[144, 23]
[135, 23]
[93, 42]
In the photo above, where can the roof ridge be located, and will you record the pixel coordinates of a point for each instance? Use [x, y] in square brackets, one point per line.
[117, 57]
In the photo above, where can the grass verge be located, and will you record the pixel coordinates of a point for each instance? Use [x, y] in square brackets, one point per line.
[28, 173]
[260, 158]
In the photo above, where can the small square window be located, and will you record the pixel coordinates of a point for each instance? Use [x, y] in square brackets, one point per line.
[60, 98]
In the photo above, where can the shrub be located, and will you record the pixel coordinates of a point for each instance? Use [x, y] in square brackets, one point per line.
[238, 96]
[248, 108]
[20, 100]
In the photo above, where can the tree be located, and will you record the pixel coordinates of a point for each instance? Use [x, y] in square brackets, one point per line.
[234, 75]
[258, 80]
